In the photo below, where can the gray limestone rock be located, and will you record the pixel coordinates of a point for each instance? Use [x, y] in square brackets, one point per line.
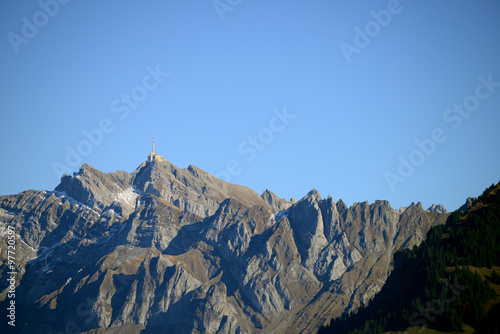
[178, 250]
[468, 204]
[439, 208]
[277, 204]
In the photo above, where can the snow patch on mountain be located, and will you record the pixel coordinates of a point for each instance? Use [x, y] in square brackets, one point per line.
[129, 197]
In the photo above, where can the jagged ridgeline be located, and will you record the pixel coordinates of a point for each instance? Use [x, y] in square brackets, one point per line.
[173, 250]
[451, 282]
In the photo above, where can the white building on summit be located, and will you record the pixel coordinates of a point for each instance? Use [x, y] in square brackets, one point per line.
[153, 156]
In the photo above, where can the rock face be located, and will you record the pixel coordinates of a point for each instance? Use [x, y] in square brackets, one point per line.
[190, 189]
[178, 250]
[468, 204]
[439, 208]
[276, 203]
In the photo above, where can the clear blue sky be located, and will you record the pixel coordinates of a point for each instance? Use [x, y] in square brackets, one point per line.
[362, 87]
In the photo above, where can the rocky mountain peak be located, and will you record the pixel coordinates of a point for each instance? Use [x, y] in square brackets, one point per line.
[382, 203]
[439, 208]
[277, 204]
[341, 206]
[414, 207]
[468, 204]
[94, 188]
[312, 196]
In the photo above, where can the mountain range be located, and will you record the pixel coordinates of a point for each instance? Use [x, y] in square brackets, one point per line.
[171, 250]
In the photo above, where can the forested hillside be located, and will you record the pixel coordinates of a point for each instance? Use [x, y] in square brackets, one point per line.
[449, 283]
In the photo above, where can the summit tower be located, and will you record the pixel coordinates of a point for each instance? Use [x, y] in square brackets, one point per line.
[153, 156]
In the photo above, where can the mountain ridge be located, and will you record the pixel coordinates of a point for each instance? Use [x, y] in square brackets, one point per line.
[241, 261]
